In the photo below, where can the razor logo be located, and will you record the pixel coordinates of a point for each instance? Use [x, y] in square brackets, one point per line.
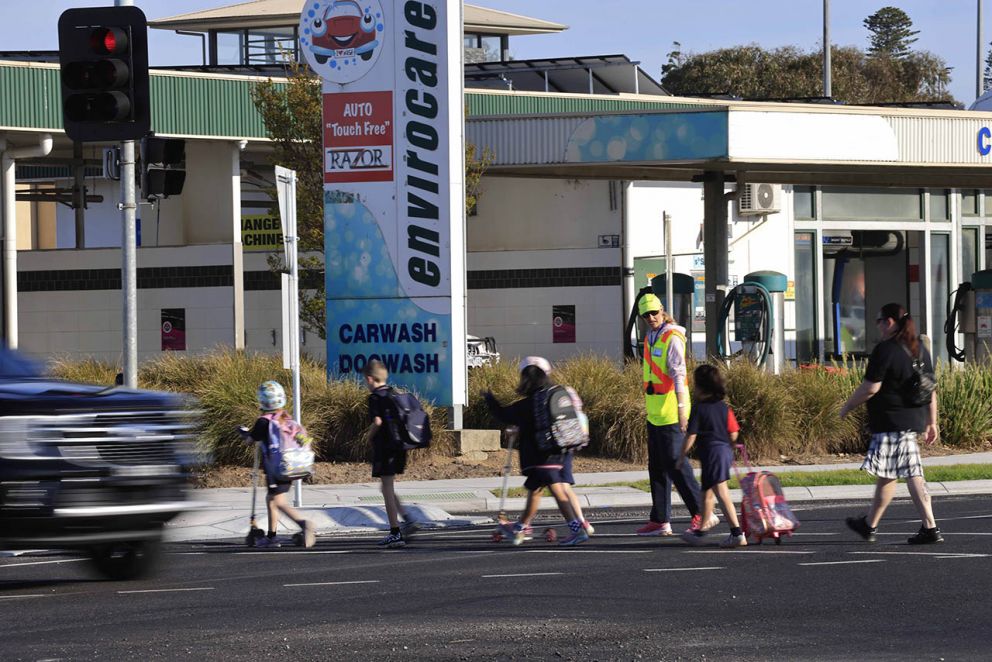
[350, 159]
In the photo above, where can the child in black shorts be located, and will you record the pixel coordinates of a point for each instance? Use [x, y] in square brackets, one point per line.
[713, 425]
[388, 461]
[542, 469]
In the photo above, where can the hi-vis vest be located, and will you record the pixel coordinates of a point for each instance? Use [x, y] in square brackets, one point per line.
[662, 405]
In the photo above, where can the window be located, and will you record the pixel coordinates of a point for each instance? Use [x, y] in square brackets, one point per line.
[940, 248]
[803, 202]
[939, 207]
[806, 346]
[969, 203]
[969, 252]
[231, 47]
[871, 204]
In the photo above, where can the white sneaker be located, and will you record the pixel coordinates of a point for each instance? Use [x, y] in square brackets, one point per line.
[733, 541]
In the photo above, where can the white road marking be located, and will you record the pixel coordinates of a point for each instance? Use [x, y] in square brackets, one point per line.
[747, 550]
[168, 590]
[21, 597]
[18, 565]
[360, 581]
[811, 533]
[524, 574]
[844, 562]
[309, 551]
[588, 551]
[712, 567]
[939, 555]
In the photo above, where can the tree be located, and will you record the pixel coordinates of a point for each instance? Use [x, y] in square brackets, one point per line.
[752, 72]
[987, 74]
[891, 33]
[292, 113]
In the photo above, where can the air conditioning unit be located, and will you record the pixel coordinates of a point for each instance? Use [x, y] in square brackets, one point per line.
[759, 199]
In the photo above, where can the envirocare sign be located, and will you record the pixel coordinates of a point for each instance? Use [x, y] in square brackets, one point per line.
[393, 188]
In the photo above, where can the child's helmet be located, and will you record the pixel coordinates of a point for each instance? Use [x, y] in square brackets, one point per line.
[536, 361]
[271, 396]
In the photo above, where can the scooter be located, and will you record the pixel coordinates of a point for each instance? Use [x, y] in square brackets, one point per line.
[254, 533]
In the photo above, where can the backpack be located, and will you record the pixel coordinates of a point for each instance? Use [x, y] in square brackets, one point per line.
[763, 506]
[408, 424]
[918, 389]
[559, 422]
[292, 457]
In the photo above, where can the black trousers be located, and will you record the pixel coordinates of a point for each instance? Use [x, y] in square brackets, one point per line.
[664, 448]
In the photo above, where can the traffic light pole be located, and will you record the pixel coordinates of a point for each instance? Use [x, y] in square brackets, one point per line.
[129, 269]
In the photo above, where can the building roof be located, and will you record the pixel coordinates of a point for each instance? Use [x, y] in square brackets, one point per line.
[597, 74]
[286, 13]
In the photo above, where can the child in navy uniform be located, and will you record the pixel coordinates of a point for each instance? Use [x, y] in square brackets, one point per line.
[541, 468]
[388, 461]
[268, 433]
[713, 425]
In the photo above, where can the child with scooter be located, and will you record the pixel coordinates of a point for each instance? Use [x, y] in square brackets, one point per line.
[274, 431]
[542, 469]
[713, 425]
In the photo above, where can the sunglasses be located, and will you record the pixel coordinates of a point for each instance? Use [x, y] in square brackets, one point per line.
[651, 313]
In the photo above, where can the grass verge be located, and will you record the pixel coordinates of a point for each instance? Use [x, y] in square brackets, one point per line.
[937, 474]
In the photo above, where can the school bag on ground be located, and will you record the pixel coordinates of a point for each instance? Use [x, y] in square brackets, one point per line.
[559, 422]
[294, 457]
[408, 424]
[765, 513]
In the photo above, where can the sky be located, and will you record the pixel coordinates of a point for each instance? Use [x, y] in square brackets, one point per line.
[641, 29]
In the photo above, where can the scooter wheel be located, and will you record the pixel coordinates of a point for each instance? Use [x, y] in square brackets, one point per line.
[550, 535]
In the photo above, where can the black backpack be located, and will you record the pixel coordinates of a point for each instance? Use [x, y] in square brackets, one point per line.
[408, 424]
[918, 389]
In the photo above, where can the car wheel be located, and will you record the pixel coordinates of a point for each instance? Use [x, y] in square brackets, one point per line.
[127, 560]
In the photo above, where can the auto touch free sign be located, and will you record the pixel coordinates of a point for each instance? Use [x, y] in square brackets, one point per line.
[393, 188]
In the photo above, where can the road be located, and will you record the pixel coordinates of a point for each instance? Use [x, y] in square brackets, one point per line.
[823, 595]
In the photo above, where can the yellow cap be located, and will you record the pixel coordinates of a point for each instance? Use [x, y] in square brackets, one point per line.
[648, 303]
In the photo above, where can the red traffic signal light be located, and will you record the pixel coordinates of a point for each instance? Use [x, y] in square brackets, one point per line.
[104, 56]
[108, 41]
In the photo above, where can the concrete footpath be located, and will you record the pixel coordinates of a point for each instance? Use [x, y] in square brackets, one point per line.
[344, 508]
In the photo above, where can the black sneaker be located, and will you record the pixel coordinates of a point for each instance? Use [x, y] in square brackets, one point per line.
[926, 536]
[860, 526]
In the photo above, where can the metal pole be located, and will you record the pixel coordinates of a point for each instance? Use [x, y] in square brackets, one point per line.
[294, 321]
[827, 87]
[978, 54]
[669, 270]
[129, 278]
[79, 194]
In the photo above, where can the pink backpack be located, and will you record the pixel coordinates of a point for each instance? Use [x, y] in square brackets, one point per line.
[296, 457]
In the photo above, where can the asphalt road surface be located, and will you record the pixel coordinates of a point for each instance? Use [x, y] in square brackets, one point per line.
[822, 595]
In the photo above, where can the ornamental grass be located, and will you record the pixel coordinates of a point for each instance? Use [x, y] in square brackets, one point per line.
[793, 414]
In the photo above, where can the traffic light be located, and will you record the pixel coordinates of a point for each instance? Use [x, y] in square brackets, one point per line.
[163, 166]
[103, 52]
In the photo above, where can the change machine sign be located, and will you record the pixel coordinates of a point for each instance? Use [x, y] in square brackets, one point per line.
[393, 188]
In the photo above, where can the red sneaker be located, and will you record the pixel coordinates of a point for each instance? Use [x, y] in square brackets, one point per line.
[697, 523]
[655, 529]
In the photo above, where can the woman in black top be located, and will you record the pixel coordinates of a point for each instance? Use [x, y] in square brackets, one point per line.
[895, 425]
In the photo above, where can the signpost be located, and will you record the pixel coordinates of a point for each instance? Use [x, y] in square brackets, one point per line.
[393, 189]
[286, 194]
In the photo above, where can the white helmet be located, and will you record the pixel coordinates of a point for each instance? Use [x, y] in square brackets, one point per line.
[271, 396]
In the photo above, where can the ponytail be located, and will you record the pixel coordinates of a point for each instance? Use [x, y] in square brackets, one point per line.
[906, 328]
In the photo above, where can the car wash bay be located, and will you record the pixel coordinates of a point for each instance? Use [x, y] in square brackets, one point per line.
[885, 200]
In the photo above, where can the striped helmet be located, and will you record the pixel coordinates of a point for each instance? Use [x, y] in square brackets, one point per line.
[271, 396]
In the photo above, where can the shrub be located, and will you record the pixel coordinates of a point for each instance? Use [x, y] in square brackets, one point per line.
[791, 414]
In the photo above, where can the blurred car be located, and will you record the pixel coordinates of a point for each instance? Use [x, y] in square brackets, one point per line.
[345, 30]
[89, 468]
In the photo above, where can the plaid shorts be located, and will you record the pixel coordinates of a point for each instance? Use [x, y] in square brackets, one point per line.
[893, 455]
